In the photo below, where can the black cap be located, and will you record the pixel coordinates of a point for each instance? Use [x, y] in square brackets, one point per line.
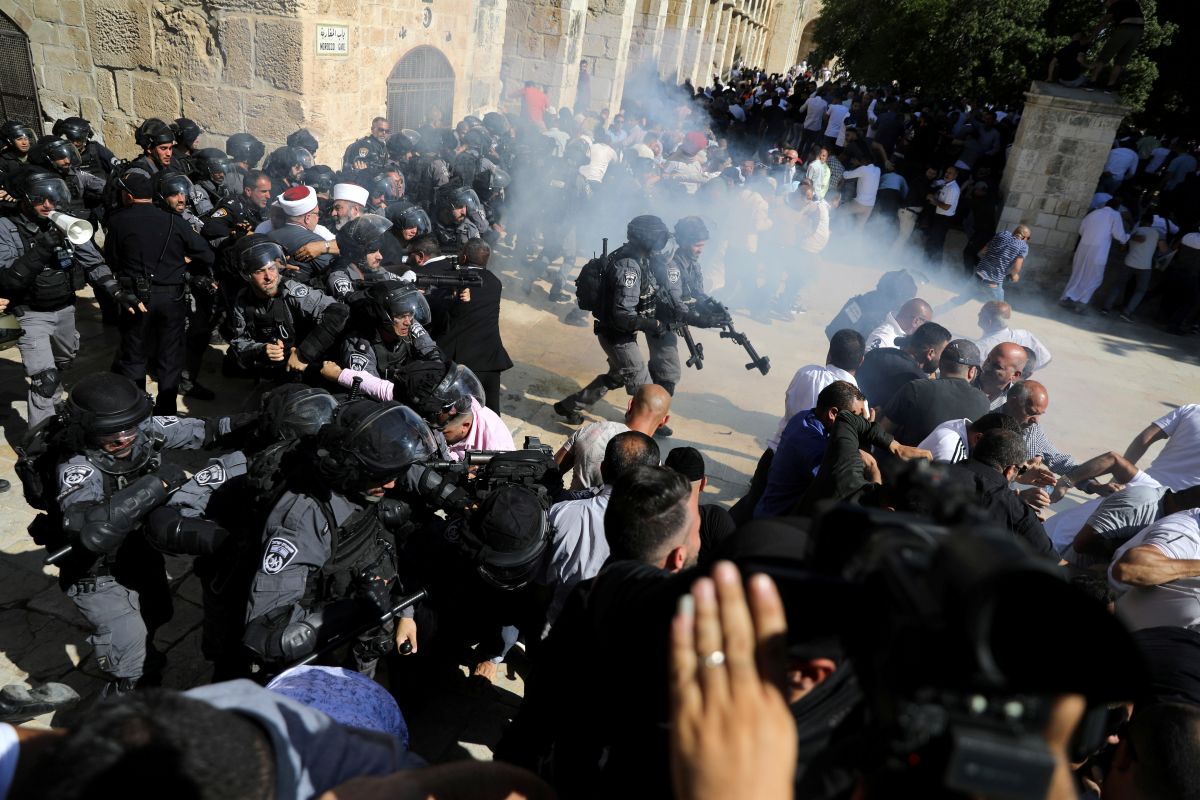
[962, 351]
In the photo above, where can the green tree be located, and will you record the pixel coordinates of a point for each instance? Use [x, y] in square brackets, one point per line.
[989, 49]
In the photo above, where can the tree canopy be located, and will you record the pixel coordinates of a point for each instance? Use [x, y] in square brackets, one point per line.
[987, 49]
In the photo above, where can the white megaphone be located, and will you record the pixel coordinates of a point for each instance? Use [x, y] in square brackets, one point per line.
[76, 230]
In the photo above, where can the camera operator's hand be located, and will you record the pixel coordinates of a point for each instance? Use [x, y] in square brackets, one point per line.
[275, 350]
[907, 453]
[331, 370]
[731, 732]
[464, 295]
[406, 631]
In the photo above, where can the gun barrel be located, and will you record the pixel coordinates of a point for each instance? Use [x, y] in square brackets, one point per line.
[58, 555]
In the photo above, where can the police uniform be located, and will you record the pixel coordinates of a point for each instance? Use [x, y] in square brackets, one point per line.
[124, 595]
[452, 235]
[384, 359]
[315, 554]
[98, 160]
[87, 191]
[45, 303]
[291, 316]
[628, 305]
[150, 244]
[349, 278]
[368, 149]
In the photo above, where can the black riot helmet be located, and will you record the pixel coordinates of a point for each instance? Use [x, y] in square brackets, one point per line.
[106, 410]
[73, 129]
[361, 236]
[400, 144]
[390, 300]
[478, 139]
[186, 132]
[168, 184]
[282, 160]
[368, 444]
[302, 138]
[51, 150]
[381, 185]
[648, 232]
[456, 388]
[12, 130]
[153, 132]
[321, 178]
[257, 251]
[293, 410]
[496, 123]
[245, 147]
[33, 185]
[211, 162]
[414, 217]
[507, 537]
[691, 230]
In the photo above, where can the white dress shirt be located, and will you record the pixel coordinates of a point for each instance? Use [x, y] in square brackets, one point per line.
[802, 393]
[579, 548]
[1018, 335]
[886, 334]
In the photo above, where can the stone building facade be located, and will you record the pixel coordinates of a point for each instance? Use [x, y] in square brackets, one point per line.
[272, 66]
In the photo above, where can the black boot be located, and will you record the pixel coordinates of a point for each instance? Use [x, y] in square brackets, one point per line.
[19, 703]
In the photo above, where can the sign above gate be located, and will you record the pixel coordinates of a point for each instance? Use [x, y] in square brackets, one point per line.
[333, 40]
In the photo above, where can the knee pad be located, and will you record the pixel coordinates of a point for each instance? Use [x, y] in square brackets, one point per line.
[612, 382]
[45, 383]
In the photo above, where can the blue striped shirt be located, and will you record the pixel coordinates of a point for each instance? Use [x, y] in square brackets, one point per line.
[1002, 251]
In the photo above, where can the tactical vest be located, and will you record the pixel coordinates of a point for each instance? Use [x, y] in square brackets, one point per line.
[360, 548]
[271, 321]
[55, 286]
[390, 358]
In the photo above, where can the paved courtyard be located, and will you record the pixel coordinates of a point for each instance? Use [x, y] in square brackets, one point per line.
[1107, 380]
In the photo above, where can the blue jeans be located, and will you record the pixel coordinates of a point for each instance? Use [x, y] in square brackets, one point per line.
[1142, 276]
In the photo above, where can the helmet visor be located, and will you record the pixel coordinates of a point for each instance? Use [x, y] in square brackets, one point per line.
[260, 255]
[53, 189]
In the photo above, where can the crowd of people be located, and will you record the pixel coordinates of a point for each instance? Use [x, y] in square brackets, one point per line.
[367, 513]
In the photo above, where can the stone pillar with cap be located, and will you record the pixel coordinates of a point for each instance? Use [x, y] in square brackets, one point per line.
[1056, 160]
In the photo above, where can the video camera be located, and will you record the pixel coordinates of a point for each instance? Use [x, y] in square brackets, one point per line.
[460, 486]
[960, 637]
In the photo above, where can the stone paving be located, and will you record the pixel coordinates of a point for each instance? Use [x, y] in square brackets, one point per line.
[1107, 380]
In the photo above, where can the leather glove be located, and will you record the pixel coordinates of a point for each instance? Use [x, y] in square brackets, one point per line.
[172, 475]
[374, 593]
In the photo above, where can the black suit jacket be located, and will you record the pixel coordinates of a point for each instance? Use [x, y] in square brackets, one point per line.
[469, 333]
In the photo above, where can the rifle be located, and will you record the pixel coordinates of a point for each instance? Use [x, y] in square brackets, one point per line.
[463, 279]
[695, 351]
[343, 638]
[761, 363]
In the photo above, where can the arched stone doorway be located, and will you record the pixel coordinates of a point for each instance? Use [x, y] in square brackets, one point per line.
[421, 81]
[18, 92]
[808, 41]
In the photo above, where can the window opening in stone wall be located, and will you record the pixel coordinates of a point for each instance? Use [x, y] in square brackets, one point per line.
[421, 81]
[18, 92]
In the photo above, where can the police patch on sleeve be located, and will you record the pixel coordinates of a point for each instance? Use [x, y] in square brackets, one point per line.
[220, 212]
[167, 422]
[75, 475]
[297, 290]
[630, 279]
[362, 152]
[212, 475]
[280, 553]
[341, 285]
[673, 275]
[358, 361]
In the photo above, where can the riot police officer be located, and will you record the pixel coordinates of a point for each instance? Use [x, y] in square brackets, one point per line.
[411, 224]
[278, 325]
[16, 139]
[186, 134]
[57, 155]
[303, 138]
[452, 226]
[209, 168]
[360, 245]
[218, 514]
[369, 152]
[94, 157]
[40, 276]
[628, 304]
[157, 140]
[329, 545]
[286, 166]
[109, 480]
[150, 245]
[391, 322]
[246, 150]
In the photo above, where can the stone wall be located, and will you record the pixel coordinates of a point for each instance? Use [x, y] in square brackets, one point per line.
[1056, 160]
[234, 65]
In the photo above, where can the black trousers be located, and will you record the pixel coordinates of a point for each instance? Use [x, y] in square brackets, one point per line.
[491, 389]
[158, 331]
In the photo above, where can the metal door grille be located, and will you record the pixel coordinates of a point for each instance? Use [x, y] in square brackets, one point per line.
[421, 81]
[18, 92]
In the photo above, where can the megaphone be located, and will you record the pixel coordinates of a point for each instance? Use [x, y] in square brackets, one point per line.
[75, 229]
